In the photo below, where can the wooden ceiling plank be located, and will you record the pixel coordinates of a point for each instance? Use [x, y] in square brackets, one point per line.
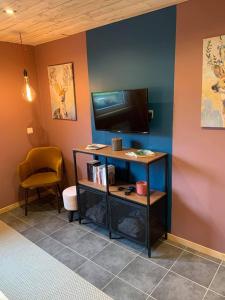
[45, 20]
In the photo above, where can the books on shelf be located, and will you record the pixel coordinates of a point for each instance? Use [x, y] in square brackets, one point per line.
[90, 165]
[99, 174]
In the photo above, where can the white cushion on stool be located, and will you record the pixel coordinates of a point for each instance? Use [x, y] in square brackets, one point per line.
[70, 198]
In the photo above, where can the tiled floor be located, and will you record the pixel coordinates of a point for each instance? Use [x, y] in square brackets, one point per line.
[119, 267]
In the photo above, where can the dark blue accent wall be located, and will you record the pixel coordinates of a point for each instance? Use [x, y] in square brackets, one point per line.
[138, 53]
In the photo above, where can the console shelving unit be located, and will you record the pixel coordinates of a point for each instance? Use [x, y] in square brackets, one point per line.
[142, 219]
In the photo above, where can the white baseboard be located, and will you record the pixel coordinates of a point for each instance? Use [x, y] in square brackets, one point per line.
[20, 203]
[196, 247]
[10, 207]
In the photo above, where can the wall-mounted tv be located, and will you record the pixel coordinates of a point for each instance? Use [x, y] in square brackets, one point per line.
[121, 111]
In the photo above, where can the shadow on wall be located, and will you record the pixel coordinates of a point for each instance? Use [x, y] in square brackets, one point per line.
[180, 165]
[189, 221]
[39, 137]
[188, 217]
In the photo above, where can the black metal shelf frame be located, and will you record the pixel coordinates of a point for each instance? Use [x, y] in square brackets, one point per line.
[107, 194]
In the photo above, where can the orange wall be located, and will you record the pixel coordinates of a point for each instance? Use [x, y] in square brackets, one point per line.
[198, 164]
[198, 153]
[15, 116]
[66, 134]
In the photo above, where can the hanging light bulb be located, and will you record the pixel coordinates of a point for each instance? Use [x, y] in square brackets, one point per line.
[27, 91]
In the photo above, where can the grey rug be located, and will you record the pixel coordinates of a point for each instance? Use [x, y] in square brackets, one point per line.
[28, 272]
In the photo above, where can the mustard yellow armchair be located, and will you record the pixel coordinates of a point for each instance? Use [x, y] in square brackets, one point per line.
[42, 167]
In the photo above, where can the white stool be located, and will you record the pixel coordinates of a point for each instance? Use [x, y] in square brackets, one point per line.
[70, 200]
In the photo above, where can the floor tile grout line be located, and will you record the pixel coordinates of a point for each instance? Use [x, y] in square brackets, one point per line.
[50, 234]
[174, 245]
[152, 291]
[24, 221]
[196, 254]
[115, 275]
[35, 242]
[155, 263]
[199, 255]
[149, 297]
[100, 251]
[131, 251]
[123, 247]
[92, 231]
[18, 219]
[217, 293]
[147, 294]
[188, 279]
[212, 280]
[74, 224]
[112, 242]
[162, 240]
[68, 247]
[183, 250]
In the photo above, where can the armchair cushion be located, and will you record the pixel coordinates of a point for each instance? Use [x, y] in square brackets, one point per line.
[40, 179]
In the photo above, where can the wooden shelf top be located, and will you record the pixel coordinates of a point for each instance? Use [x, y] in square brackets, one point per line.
[155, 195]
[108, 152]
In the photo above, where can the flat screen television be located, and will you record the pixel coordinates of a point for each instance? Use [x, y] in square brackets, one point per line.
[121, 111]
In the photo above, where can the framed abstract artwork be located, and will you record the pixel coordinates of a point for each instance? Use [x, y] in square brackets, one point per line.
[213, 83]
[62, 91]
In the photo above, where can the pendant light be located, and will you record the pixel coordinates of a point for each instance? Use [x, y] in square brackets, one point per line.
[28, 92]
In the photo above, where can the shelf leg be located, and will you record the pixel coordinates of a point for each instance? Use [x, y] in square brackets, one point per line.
[148, 212]
[166, 198]
[110, 235]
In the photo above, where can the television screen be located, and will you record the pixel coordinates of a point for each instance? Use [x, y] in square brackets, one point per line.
[121, 111]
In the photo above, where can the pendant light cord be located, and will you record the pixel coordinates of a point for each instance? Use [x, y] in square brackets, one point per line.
[23, 53]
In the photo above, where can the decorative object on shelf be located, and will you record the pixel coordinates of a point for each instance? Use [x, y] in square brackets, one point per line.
[127, 190]
[62, 91]
[90, 165]
[95, 146]
[116, 144]
[213, 83]
[141, 188]
[99, 174]
[140, 153]
[28, 92]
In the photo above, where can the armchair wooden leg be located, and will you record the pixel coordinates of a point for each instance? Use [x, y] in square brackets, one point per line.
[26, 201]
[59, 198]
